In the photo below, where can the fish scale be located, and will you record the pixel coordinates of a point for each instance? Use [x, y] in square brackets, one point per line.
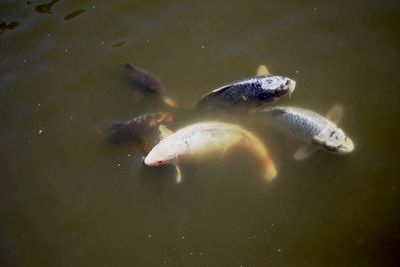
[250, 93]
[304, 123]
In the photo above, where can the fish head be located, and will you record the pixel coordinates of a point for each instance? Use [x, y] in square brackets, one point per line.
[335, 140]
[160, 155]
[278, 85]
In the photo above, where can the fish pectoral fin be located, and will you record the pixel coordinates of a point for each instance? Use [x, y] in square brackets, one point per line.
[304, 151]
[165, 132]
[178, 177]
[262, 71]
[170, 102]
[335, 114]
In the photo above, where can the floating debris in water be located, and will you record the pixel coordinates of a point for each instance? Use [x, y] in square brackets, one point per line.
[8, 26]
[45, 8]
[118, 44]
[74, 14]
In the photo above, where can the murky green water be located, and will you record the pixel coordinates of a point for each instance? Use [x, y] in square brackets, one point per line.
[67, 198]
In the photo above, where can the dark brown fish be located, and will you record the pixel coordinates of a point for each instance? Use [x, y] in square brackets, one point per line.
[147, 81]
[143, 128]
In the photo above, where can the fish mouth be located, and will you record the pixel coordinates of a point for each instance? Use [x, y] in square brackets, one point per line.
[148, 162]
[287, 88]
[151, 162]
[347, 147]
[290, 85]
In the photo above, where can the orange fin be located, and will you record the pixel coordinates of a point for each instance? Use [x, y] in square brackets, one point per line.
[270, 171]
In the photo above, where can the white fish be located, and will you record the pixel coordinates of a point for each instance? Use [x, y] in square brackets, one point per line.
[201, 139]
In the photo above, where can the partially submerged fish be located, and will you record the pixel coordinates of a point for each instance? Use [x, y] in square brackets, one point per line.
[318, 131]
[249, 93]
[202, 138]
[148, 82]
[143, 128]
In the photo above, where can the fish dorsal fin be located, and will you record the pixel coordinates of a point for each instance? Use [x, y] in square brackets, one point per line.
[165, 132]
[335, 114]
[262, 71]
[304, 151]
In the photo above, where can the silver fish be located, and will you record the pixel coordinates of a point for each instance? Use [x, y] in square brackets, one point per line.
[249, 93]
[313, 128]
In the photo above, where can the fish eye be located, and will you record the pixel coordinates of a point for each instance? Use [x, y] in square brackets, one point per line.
[159, 162]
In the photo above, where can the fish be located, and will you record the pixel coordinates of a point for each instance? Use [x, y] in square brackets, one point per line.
[148, 82]
[318, 131]
[143, 128]
[203, 138]
[250, 93]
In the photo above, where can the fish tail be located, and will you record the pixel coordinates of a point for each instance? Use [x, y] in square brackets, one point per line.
[259, 148]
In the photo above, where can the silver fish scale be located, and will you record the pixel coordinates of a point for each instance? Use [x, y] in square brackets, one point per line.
[303, 123]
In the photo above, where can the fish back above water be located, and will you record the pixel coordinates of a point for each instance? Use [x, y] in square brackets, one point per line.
[249, 93]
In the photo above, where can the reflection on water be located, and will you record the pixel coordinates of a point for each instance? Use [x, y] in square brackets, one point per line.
[68, 197]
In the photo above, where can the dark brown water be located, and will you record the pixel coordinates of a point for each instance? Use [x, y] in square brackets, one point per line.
[67, 198]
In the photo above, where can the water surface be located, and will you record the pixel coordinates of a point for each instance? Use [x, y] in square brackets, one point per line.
[67, 198]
